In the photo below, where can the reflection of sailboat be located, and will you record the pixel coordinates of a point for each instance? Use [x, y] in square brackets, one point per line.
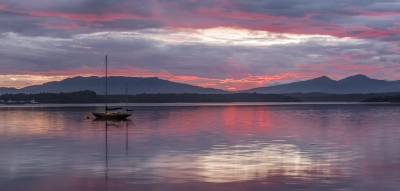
[126, 143]
[112, 122]
[113, 114]
[106, 168]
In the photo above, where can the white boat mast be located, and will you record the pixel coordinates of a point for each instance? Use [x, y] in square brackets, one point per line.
[106, 86]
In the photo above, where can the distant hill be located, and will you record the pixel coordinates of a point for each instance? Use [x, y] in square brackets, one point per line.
[116, 85]
[350, 85]
[8, 90]
[353, 84]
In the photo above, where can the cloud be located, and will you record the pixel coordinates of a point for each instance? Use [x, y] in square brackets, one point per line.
[224, 44]
[204, 57]
[339, 18]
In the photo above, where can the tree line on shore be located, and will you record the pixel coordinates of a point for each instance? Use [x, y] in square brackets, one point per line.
[395, 98]
[354, 97]
[88, 96]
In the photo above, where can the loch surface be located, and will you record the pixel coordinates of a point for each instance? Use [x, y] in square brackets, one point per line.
[226, 147]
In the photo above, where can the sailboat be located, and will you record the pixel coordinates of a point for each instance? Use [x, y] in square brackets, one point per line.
[110, 113]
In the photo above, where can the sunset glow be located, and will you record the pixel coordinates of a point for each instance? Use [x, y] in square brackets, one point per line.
[231, 45]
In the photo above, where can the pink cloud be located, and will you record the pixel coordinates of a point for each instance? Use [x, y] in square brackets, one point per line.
[236, 74]
[174, 16]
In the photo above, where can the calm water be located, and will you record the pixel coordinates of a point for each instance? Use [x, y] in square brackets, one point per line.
[209, 147]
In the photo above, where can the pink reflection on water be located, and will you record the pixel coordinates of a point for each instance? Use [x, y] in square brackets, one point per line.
[205, 148]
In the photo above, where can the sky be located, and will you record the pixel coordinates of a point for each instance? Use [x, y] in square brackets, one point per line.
[224, 44]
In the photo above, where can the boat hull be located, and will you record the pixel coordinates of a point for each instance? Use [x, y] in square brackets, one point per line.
[116, 115]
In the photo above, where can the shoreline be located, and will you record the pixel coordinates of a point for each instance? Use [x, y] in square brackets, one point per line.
[194, 104]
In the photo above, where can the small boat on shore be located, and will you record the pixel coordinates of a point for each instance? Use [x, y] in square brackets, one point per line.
[33, 101]
[10, 102]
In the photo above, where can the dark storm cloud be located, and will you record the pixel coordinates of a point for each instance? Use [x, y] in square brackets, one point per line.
[126, 24]
[65, 28]
[137, 7]
[192, 4]
[50, 18]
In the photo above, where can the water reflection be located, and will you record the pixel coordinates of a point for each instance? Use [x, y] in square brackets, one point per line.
[290, 147]
[237, 163]
[118, 123]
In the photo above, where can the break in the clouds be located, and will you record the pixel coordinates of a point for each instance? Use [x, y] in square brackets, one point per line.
[236, 44]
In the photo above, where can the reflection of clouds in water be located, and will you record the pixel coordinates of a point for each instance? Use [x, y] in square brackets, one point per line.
[221, 164]
[309, 145]
[41, 161]
[247, 162]
[17, 164]
[37, 123]
[239, 163]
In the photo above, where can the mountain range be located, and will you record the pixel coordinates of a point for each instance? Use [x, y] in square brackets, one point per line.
[353, 84]
[116, 85]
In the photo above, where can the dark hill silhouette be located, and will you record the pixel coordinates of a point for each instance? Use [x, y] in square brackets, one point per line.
[116, 85]
[363, 84]
[353, 84]
[321, 84]
[8, 90]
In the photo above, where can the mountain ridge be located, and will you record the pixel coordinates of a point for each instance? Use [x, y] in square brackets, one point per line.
[116, 85]
[353, 84]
